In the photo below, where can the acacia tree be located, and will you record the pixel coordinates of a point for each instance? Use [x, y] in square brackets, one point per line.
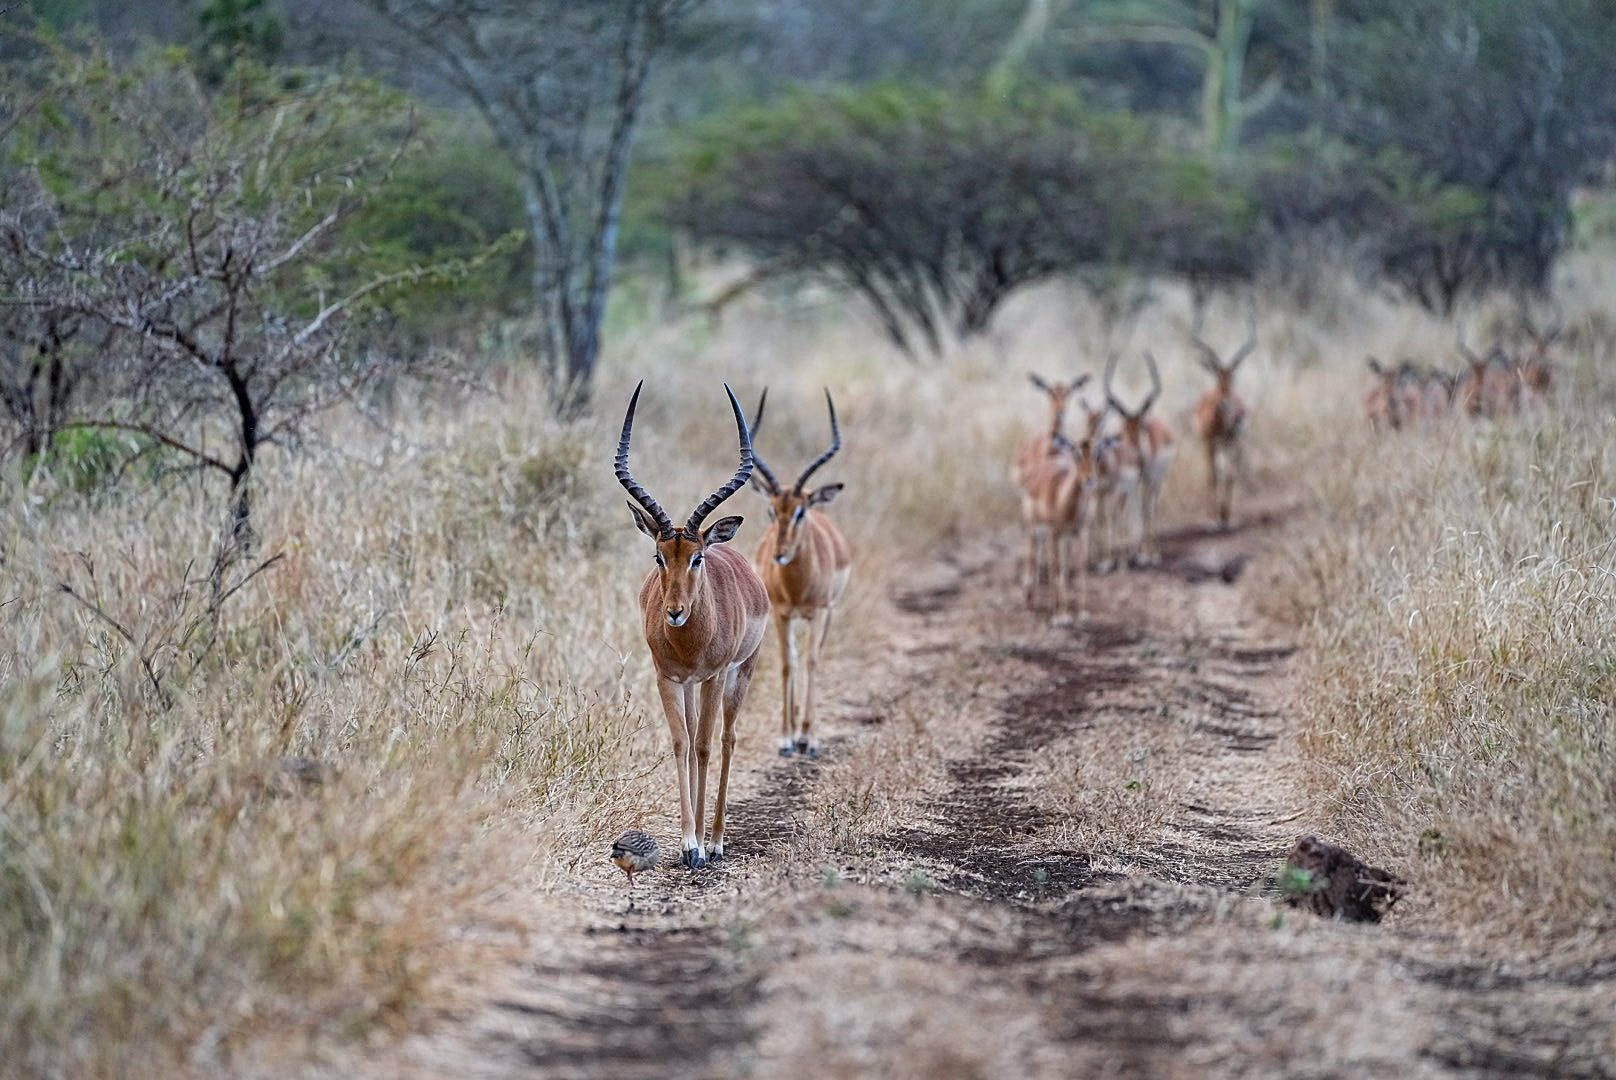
[1507, 105]
[200, 238]
[561, 85]
[934, 208]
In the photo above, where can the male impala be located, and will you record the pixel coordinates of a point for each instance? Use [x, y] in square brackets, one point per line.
[805, 562]
[1491, 386]
[1220, 420]
[1148, 442]
[705, 612]
[1537, 369]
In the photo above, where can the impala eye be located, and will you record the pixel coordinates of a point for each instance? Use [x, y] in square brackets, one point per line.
[659, 561]
[771, 513]
[696, 560]
[797, 516]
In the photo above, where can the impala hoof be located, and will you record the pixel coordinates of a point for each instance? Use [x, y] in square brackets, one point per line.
[716, 854]
[695, 859]
[812, 752]
[787, 750]
[804, 748]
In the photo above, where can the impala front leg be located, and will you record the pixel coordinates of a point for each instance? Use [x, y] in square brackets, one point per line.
[712, 696]
[1029, 574]
[818, 630]
[734, 696]
[673, 707]
[788, 688]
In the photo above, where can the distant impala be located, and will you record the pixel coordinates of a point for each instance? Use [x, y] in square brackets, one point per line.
[1220, 420]
[1147, 444]
[805, 562]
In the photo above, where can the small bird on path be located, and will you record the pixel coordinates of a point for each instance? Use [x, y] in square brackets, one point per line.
[634, 852]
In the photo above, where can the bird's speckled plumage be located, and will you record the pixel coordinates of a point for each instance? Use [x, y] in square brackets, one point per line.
[635, 852]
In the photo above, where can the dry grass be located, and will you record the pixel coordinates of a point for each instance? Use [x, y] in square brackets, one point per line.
[1459, 593]
[453, 633]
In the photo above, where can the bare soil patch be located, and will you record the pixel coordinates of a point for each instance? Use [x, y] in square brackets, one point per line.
[1027, 849]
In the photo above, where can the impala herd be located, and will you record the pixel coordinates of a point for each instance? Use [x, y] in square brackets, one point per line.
[1088, 501]
[1513, 375]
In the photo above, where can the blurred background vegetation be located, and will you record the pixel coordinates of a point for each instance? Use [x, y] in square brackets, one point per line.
[930, 158]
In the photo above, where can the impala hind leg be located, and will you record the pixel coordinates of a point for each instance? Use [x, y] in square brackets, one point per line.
[1033, 578]
[674, 697]
[1111, 511]
[1144, 552]
[735, 687]
[788, 683]
[818, 631]
[1080, 572]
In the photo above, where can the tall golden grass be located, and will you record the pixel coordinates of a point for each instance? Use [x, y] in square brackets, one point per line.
[1458, 589]
[452, 635]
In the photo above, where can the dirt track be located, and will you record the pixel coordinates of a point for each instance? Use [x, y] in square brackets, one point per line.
[919, 903]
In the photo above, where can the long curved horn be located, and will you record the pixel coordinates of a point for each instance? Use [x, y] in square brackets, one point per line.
[1155, 384]
[763, 470]
[626, 478]
[736, 482]
[1464, 349]
[835, 445]
[1251, 342]
[1111, 398]
[1209, 356]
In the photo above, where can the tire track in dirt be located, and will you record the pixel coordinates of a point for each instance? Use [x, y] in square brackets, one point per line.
[973, 937]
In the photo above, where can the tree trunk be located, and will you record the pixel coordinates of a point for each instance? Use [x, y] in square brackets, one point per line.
[1221, 108]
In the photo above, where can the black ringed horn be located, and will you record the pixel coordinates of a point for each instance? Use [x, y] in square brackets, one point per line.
[736, 482]
[1155, 384]
[626, 478]
[835, 445]
[1110, 395]
[763, 470]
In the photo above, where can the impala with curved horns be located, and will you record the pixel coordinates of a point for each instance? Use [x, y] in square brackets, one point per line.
[1149, 442]
[1537, 367]
[705, 613]
[1220, 420]
[805, 562]
[1491, 386]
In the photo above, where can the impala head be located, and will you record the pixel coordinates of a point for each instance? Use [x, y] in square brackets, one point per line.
[1132, 421]
[1537, 367]
[1224, 370]
[1060, 395]
[1480, 362]
[681, 552]
[788, 507]
[1082, 453]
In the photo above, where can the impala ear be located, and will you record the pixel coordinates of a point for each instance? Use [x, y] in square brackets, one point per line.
[1039, 383]
[826, 494]
[643, 521]
[721, 531]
